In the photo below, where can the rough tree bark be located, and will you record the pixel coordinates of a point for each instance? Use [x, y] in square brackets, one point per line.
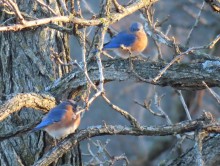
[188, 76]
[26, 66]
[210, 152]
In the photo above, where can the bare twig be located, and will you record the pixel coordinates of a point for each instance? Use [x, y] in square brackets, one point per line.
[212, 44]
[94, 157]
[101, 156]
[7, 20]
[129, 117]
[91, 100]
[195, 24]
[168, 65]
[150, 19]
[162, 113]
[84, 60]
[79, 11]
[191, 12]
[160, 37]
[117, 158]
[184, 104]
[157, 100]
[63, 5]
[47, 6]
[88, 7]
[147, 106]
[215, 95]
[17, 11]
[118, 7]
[72, 6]
[180, 56]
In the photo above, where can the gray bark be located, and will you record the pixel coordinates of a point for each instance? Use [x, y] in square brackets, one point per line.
[210, 154]
[26, 66]
[187, 76]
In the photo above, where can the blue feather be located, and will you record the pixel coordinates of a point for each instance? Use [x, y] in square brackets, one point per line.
[43, 124]
[55, 115]
[123, 38]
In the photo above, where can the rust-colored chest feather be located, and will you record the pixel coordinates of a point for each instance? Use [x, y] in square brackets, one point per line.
[141, 42]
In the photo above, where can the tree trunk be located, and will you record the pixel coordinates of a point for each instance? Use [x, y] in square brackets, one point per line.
[26, 66]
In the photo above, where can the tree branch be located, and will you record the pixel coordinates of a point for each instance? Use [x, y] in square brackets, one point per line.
[17, 11]
[26, 100]
[71, 141]
[188, 76]
[128, 116]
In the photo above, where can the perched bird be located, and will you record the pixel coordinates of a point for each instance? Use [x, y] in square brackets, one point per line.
[127, 43]
[61, 120]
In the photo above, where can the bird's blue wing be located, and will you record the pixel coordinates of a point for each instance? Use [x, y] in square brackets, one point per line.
[122, 38]
[55, 115]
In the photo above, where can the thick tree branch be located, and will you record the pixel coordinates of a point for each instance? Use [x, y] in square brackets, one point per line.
[26, 100]
[188, 76]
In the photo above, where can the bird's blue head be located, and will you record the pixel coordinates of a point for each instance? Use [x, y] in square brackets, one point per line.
[136, 27]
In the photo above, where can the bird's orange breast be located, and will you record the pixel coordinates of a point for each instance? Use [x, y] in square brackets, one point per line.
[141, 42]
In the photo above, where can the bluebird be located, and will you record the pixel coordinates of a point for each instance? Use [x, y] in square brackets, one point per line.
[60, 120]
[127, 43]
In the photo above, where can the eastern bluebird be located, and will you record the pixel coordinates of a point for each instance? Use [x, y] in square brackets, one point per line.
[61, 120]
[127, 43]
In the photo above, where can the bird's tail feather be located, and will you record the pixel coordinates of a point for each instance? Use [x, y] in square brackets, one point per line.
[40, 126]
